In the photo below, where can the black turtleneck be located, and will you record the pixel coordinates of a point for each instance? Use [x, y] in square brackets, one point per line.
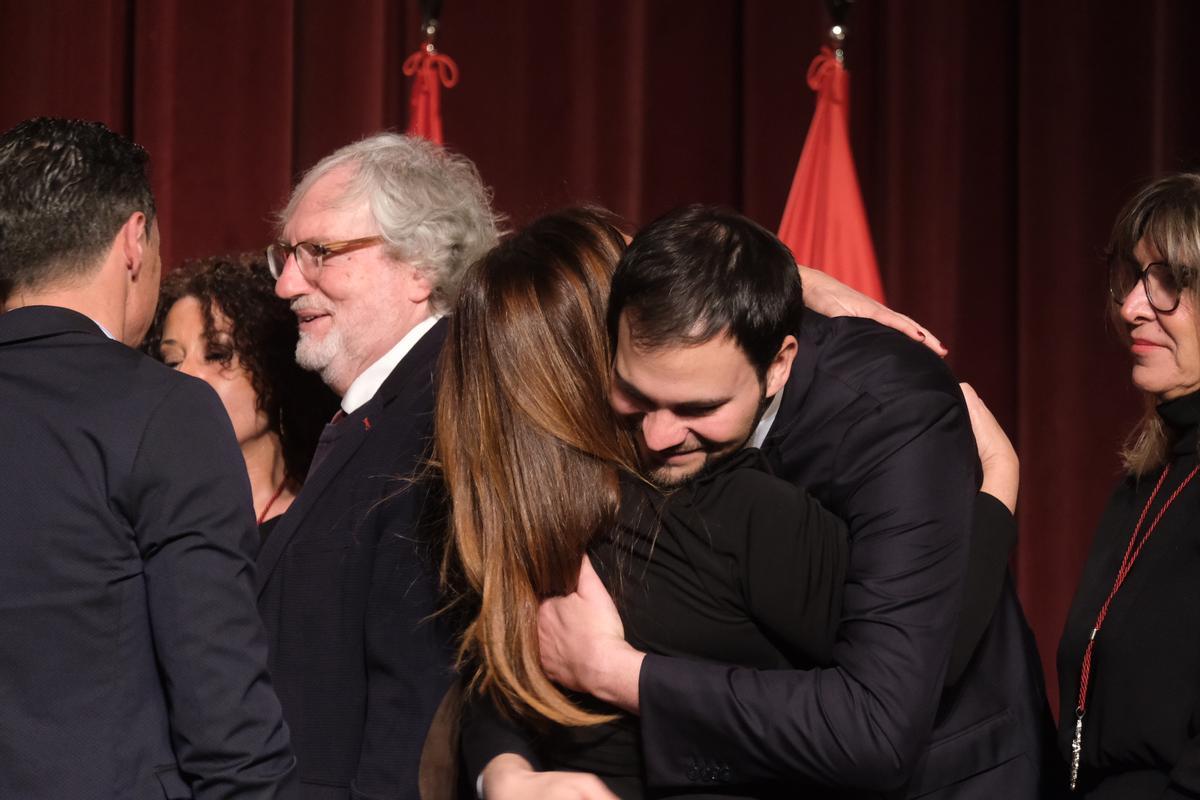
[1182, 416]
[1141, 732]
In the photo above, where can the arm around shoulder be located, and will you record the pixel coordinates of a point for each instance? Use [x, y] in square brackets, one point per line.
[908, 477]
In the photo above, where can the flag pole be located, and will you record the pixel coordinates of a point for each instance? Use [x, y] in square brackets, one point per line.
[839, 13]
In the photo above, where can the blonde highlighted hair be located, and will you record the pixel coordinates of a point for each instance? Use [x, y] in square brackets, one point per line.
[528, 445]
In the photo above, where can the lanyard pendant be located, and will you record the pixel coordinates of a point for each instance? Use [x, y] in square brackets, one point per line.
[1076, 748]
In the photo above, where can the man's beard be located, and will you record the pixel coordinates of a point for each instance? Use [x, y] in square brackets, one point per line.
[664, 480]
[318, 355]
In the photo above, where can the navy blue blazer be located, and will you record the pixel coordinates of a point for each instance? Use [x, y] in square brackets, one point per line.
[874, 426]
[348, 588]
[133, 662]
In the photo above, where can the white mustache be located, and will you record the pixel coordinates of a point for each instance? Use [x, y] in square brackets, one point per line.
[307, 303]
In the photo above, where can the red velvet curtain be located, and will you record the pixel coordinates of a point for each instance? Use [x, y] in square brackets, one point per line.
[995, 143]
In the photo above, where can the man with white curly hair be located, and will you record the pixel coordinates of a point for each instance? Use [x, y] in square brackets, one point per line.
[372, 246]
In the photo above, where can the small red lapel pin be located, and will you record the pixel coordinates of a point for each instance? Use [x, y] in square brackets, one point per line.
[366, 423]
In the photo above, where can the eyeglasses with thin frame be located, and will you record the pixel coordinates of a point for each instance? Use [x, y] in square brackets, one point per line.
[310, 256]
[1158, 278]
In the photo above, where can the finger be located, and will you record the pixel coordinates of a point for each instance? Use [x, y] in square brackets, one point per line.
[590, 584]
[547, 618]
[933, 343]
[910, 328]
[924, 335]
[981, 415]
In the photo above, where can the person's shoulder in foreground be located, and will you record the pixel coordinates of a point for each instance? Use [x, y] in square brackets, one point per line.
[135, 662]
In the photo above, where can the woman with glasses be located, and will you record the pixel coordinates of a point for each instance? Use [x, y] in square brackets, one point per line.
[1129, 659]
[219, 320]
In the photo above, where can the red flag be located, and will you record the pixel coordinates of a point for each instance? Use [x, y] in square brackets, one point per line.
[825, 223]
[431, 71]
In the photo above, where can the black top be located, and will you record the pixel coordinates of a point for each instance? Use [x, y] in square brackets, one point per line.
[1143, 707]
[736, 567]
[266, 526]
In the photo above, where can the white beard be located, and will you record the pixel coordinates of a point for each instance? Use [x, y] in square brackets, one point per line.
[319, 355]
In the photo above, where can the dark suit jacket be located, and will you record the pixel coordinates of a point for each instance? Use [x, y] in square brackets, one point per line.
[133, 662]
[347, 583]
[874, 426]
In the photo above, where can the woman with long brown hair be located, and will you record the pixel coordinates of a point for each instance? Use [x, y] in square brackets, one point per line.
[539, 473]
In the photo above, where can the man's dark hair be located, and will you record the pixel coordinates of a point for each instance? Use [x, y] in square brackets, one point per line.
[700, 271]
[66, 188]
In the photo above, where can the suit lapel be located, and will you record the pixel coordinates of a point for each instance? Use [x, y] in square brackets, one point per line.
[346, 445]
[408, 378]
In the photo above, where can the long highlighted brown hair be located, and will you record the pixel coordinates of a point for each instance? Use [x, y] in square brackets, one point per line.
[528, 445]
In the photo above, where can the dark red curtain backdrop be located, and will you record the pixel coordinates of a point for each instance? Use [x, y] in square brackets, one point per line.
[995, 143]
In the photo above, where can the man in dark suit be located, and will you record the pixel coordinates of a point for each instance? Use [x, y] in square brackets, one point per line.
[373, 242]
[874, 425]
[133, 662]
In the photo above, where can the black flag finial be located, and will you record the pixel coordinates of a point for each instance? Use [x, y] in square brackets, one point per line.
[431, 11]
[839, 12]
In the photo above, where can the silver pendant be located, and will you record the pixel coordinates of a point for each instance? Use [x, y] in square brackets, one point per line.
[1076, 749]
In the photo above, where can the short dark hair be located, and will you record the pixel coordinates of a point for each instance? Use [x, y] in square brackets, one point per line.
[66, 188]
[699, 271]
[262, 333]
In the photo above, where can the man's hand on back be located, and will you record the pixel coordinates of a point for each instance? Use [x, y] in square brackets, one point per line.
[583, 643]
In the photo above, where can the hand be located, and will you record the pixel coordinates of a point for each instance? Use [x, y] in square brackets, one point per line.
[833, 298]
[1001, 468]
[510, 777]
[582, 643]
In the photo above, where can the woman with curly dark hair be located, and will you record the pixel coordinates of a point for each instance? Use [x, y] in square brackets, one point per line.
[219, 320]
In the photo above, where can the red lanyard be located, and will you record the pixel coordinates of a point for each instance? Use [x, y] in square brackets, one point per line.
[262, 517]
[1132, 551]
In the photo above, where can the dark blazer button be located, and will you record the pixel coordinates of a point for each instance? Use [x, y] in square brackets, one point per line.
[693, 773]
[725, 775]
[710, 775]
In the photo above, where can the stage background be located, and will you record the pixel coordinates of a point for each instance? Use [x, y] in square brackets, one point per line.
[995, 143]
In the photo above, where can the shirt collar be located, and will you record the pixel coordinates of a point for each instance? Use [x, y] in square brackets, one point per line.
[768, 419]
[103, 329]
[368, 382]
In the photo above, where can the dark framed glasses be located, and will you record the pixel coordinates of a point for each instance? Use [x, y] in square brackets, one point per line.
[310, 256]
[1162, 283]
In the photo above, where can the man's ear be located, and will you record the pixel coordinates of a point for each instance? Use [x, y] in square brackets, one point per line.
[420, 287]
[780, 367]
[133, 240]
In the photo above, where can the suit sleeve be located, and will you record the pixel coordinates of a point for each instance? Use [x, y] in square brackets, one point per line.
[993, 534]
[189, 502]
[408, 652]
[909, 477]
